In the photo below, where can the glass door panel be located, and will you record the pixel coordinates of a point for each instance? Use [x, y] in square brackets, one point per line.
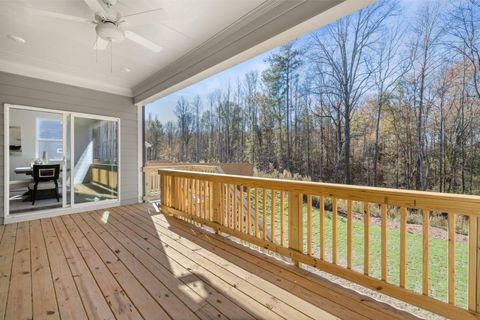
[94, 160]
[36, 139]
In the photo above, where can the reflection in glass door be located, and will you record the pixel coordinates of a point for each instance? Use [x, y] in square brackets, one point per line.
[94, 159]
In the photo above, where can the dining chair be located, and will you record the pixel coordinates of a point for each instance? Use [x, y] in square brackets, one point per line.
[45, 177]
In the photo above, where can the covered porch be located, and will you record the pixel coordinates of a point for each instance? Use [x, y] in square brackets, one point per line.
[135, 262]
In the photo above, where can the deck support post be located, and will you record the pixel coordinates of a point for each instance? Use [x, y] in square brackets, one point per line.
[217, 203]
[295, 222]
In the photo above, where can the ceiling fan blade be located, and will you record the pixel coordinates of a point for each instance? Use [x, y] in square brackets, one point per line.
[142, 41]
[100, 44]
[95, 6]
[144, 17]
[56, 15]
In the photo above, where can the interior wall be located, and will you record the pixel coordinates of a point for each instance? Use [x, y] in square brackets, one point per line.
[20, 90]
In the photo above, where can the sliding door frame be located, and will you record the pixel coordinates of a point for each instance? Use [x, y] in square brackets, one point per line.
[73, 208]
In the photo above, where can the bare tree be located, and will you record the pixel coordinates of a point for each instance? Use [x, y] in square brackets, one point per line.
[344, 47]
[388, 67]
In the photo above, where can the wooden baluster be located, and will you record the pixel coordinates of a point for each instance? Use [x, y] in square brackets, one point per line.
[211, 207]
[321, 209]
[426, 224]
[235, 208]
[257, 233]
[185, 195]
[383, 209]
[366, 237]
[176, 181]
[163, 181]
[180, 193]
[227, 195]
[451, 258]
[222, 211]
[334, 230]
[190, 197]
[249, 212]
[282, 218]
[264, 216]
[309, 224]
[272, 216]
[242, 210]
[198, 199]
[171, 190]
[472, 262]
[349, 234]
[403, 246]
[203, 199]
[167, 191]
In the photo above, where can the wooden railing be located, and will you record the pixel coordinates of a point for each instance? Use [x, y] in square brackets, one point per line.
[301, 220]
[105, 175]
[152, 179]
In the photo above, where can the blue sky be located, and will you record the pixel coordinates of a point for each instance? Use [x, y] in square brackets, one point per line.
[164, 107]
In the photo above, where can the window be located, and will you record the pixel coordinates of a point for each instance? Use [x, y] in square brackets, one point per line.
[50, 139]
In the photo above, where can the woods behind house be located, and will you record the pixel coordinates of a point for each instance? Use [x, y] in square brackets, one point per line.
[383, 97]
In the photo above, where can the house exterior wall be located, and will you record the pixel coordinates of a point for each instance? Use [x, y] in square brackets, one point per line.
[20, 90]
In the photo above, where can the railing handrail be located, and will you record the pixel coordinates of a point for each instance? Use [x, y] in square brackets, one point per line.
[467, 204]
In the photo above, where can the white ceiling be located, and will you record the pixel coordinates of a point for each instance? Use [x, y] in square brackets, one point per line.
[62, 50]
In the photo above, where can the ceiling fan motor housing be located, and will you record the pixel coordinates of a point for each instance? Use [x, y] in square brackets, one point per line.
[110, 3]
[110, 31]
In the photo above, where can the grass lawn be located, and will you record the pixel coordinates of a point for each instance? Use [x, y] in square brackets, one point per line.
[437, 250]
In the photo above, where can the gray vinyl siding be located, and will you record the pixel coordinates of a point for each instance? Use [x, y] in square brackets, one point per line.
[20, 90]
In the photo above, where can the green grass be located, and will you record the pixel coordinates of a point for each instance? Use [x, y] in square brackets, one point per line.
[437, 250]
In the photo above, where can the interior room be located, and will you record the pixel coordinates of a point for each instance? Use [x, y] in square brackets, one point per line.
[44, 140]
[35, 138]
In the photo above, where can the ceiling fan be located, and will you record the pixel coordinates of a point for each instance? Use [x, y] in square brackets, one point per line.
[109, 23]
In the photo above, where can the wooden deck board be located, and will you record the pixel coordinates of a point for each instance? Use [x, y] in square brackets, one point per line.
[134, 263]
[43, 292]
[7, 247]
[175, 277]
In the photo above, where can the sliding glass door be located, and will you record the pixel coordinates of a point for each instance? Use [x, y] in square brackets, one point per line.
[83, 149]
[94, 159]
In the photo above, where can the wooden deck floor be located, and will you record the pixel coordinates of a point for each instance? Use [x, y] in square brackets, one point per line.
[134, 263]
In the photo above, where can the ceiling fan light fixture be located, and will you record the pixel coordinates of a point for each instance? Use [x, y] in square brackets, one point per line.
[110, 31]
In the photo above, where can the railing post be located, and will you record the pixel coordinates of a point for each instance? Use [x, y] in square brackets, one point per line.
[217, 202]
[162, 190]
[295, 223]
[146, 179]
